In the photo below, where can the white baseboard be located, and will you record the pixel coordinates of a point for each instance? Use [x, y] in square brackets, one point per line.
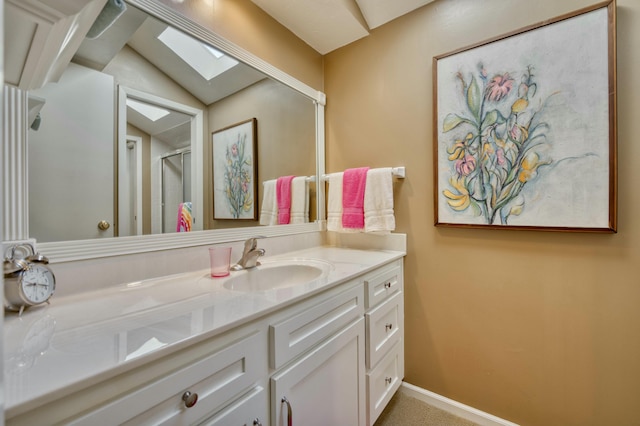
[454, 407]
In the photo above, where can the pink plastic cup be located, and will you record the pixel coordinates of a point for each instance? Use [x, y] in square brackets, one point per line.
[220, 261]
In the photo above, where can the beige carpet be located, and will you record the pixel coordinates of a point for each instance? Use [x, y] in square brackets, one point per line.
[404, 410]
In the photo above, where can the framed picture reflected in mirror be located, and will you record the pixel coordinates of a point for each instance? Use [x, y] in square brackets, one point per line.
[235, 171]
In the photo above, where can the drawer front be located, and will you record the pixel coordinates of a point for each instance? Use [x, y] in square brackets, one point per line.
[385, 324]
[216, 379]
[383, 382]
[251, 409]
[296, 334]
[380, 286]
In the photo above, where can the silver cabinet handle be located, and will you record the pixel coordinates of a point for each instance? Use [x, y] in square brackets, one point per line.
[387, 284]
[289, 411]
[189, 399]
[257, 422]
[388, 326]
[388, 380]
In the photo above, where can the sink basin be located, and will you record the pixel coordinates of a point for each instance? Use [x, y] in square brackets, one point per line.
[277, 274]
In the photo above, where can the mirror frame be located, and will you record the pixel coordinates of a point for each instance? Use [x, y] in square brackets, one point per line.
[67, 251]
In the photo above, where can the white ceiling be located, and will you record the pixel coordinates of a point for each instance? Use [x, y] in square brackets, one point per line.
[326, 25]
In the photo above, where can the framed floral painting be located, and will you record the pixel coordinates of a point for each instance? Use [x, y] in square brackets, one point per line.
[525, 128]
[235, 187]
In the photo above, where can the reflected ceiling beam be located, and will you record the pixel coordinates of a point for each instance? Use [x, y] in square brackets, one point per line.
[135, 32]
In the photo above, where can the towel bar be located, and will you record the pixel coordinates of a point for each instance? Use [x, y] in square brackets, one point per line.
[398, 172]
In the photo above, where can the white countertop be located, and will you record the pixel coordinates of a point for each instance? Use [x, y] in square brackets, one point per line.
[77, 340]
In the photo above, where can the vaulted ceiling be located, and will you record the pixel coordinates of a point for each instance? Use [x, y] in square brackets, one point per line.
[326, 25]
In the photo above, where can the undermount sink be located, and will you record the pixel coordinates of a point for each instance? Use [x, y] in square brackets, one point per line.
[277, 274]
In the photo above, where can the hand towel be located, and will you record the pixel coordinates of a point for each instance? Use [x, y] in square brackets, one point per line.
[283, 197]
[334, 203]
[299, 200]
[378, 201]
[269, 210]
[183, 224]
[353, 188]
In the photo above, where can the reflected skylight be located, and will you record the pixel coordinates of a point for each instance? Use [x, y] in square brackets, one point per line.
[206, 60]
[152, 112]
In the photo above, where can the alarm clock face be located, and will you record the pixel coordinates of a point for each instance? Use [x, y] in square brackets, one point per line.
[38, 284]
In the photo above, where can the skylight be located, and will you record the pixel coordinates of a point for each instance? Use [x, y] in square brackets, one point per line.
[206, 60]
[152, 112]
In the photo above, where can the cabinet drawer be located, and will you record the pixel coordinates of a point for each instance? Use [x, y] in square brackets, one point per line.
[216, 379]
[383, 381]
[380, 286]
[251, 409]
[385, 325]
[296, 334]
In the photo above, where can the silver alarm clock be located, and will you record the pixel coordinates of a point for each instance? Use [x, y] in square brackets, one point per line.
[27, 282]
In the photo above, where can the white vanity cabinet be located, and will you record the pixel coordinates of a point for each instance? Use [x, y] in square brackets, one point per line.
[385, 336]
[332, 357]
[221, 376]
[349, 378]
[325, 385]
[227, 373]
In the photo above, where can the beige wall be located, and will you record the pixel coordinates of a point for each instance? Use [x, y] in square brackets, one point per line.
[537, 328]
[286, 139]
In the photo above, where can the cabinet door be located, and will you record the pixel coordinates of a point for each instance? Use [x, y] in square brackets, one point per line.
[324, 387]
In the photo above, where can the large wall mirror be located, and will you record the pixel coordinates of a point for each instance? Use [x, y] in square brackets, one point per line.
[121, 143]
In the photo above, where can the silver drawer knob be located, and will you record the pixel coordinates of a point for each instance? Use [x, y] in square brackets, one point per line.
[388, 326]
[388, 380]
[257, 422]
[189, 399]
[387, 284]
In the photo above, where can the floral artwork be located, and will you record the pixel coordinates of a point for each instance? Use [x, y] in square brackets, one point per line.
[237, 178]
[525, 134]
[234, 171]
[499, 155]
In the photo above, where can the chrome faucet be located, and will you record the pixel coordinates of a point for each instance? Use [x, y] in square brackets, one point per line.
[250, 255]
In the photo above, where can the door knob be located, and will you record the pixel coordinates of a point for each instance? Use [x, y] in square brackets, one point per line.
[103, 225]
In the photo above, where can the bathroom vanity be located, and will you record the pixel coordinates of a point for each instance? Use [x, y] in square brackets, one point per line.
[138, 332]
[322, 343]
